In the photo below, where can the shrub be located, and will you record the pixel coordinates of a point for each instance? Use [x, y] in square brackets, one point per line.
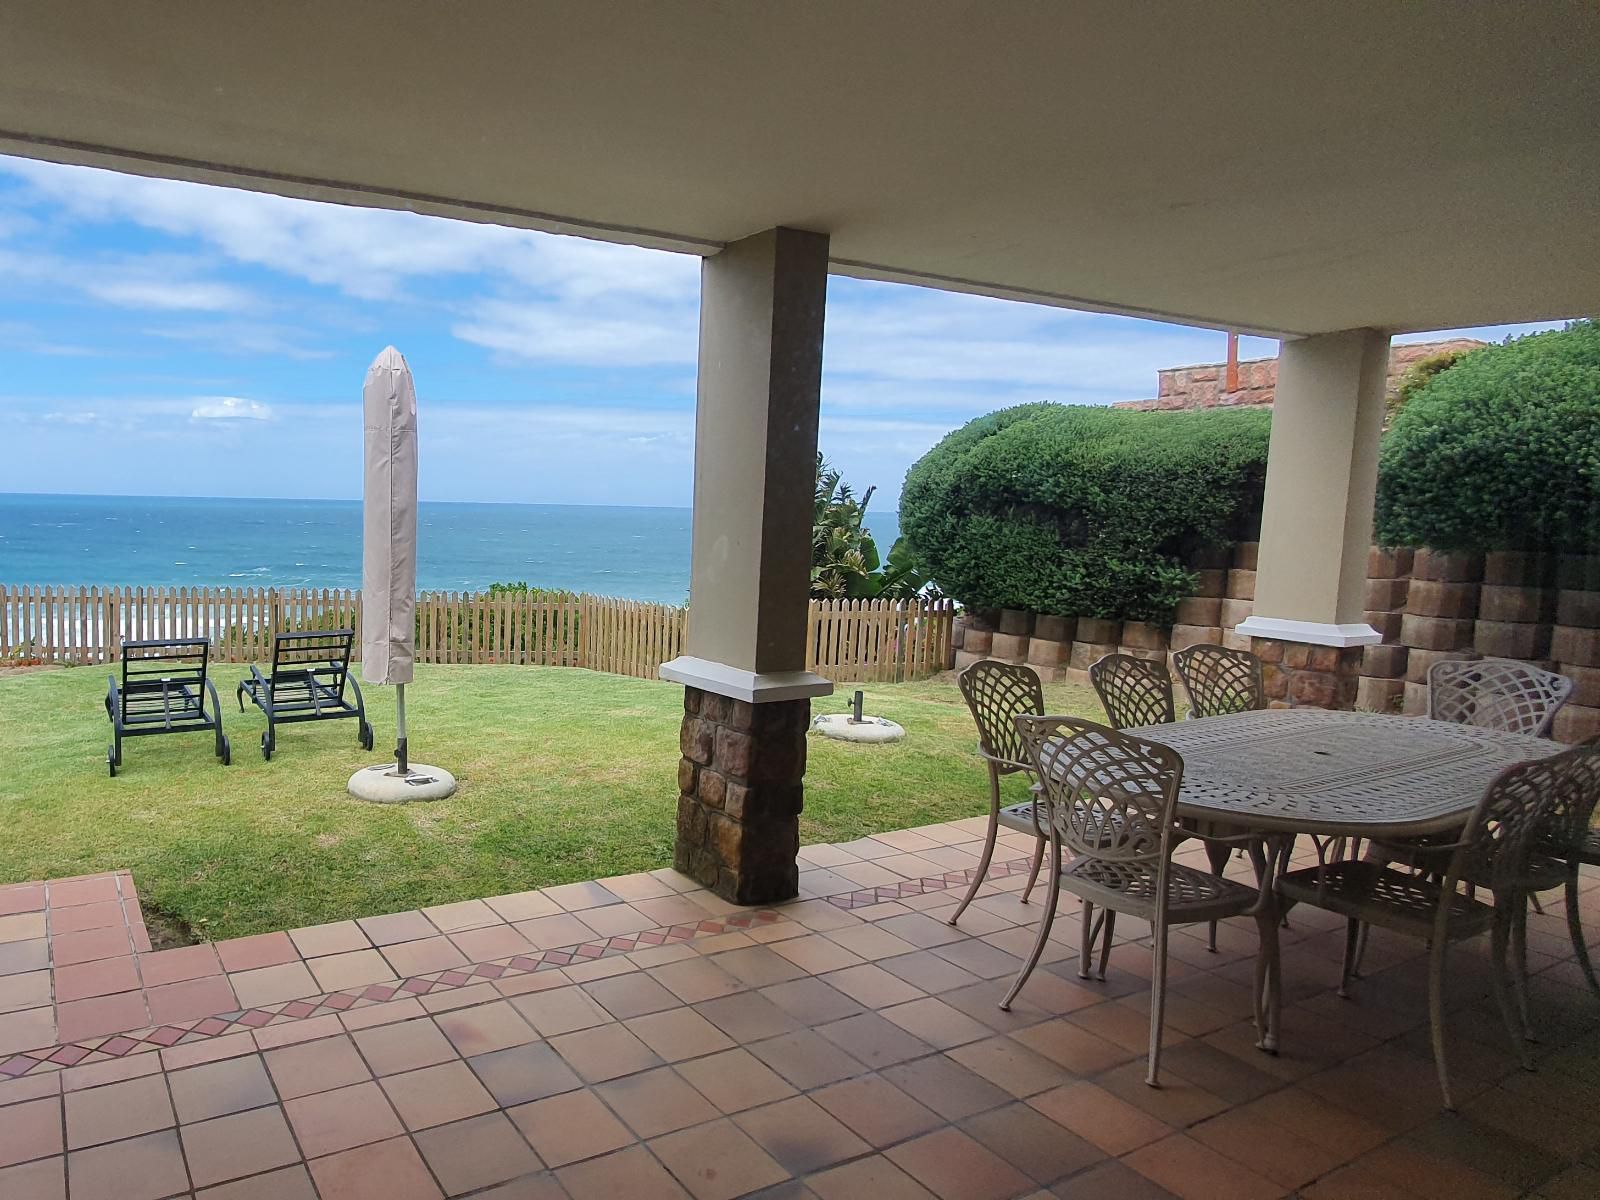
[1500, 452]
[1082, 511]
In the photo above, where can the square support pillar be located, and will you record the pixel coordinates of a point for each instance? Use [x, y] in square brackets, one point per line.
[747, 691]
[1316, 525]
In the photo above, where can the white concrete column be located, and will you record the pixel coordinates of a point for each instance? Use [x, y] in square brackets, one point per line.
[760, 376]
[1322, 477]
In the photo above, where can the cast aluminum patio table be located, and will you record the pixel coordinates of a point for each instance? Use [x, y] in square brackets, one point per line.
[1282, 772]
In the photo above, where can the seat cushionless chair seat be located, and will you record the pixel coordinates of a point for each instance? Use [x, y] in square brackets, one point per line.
[1373, 893]
[1192, 896]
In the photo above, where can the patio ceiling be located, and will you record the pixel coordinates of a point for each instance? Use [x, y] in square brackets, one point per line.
[1292, 168]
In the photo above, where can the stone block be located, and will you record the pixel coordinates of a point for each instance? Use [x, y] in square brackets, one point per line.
[713, 789]
[686, 774]
[1576, 723]
[1209, 558]
[1086, 654]
[978, 641]
[1433, 598]
[1515, 568]
[958, 634]
[1054, 629]
[1439, 566]
[1513, 602]
[1268, 650]
[1436, 633]
[1016, 621]
[1275, 681]
[1009, 647]
[1054, 674]
[1386, 595]
[1042, 653]
[1144, 652]
[1199, 610]
[1234, 611]
[1210, 583]
[1389, 562]
[1419, 660]
[1384, 662]
[1144, 635]
[1184, 636]
[1077, 676]
[1510, 639]
[1245, 555]
[1579, 608]
[1314, 688]
[1415, 702]
[1585, 684]
[1235, 641]
[696, 739]
[965, 658]
[1098, 632]
[1380, 695]
[1579, 572]
[1241, 584]
[1386, 623]
[1577, 646]
[1296, 655]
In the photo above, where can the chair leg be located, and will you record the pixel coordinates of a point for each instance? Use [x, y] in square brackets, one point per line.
[1158, 997]
[1110, 922]
[1580, 948]
[1033, 872]
[1046, 919]
[1267, 980]
[1354, 931]
[1217, 854]
[1436, 956]
[1500, 972]
[1086, 940]
[988, 846]
[1519, 961]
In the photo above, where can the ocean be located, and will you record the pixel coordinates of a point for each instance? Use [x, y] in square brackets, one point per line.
[637, 553]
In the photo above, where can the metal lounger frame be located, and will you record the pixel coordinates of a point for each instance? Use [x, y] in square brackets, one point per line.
[310, 681]
[164, 689]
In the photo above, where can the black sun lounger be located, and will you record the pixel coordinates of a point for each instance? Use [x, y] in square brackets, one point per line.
[164, 689]
[309, 682]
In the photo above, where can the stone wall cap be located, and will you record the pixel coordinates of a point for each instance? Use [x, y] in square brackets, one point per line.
[1315, 633]
[753, 687]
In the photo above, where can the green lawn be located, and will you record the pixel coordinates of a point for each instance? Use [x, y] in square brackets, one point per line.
[565, 775]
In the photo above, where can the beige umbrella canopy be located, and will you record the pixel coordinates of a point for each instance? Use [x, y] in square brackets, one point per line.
[389, 570]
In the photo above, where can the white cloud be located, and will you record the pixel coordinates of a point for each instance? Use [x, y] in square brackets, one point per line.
[230, 408]
[171, 294]
[633, 335]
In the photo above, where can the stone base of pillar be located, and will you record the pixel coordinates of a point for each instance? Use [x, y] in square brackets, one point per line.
[1299, 675]
[740, 795]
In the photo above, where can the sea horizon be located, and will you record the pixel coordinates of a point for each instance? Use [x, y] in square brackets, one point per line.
[637, 552]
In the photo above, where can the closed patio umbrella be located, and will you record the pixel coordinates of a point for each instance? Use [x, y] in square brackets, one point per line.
[389, 569]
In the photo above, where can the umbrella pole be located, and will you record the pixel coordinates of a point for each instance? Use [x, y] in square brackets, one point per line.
[400, 730]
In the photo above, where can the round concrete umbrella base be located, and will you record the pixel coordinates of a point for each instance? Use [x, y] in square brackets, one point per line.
[381, 785]
[869, 730]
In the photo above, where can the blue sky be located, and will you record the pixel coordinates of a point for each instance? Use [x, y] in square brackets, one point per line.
[170, 338]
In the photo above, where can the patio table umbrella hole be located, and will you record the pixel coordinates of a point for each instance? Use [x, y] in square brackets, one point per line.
[389, 572]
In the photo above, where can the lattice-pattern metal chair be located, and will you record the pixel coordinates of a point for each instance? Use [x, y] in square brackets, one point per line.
[996, 694]
[1491, 853]
[1496, 693]
[1110, 799]
[1219, 680]
[1134, 691]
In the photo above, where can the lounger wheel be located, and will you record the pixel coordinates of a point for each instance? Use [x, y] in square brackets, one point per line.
[365, 737]
[111, 760]
[266, 746]
[226, 752]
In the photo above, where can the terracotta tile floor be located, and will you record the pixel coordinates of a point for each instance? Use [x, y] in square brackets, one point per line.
[638, 1037]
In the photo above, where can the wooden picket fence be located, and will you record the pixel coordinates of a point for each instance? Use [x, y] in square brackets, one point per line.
[849, 641]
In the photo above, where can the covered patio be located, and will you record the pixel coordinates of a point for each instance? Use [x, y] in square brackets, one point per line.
[766, 1017]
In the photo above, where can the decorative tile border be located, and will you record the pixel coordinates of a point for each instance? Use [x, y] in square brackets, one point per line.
[120, 1045]
[866, 897]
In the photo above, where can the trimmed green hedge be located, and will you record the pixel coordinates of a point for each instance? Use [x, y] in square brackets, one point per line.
[1500, 452]
[1082, 511]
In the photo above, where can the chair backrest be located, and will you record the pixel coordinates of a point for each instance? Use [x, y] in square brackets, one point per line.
[1577, 794]
[998, 693]
[1220, 680]
[1516, 809]
[1111, 795]
[1496, 693]
[149, 664]
[321, 655]
[1134, 691]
